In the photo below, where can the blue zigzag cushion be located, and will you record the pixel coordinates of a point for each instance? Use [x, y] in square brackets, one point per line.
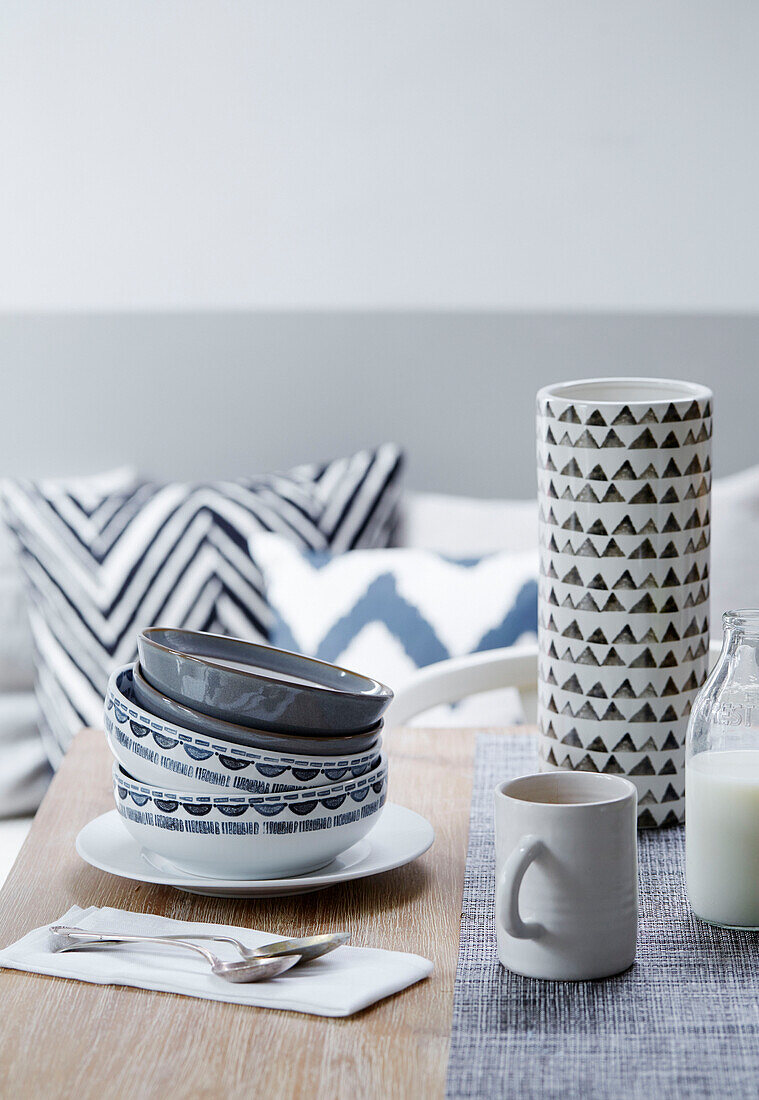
[390, 612]
[105, 557]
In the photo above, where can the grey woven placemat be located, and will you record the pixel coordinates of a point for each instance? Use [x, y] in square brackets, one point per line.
[683, 1022]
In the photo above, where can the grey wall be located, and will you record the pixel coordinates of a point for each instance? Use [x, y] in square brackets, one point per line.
[221, 394]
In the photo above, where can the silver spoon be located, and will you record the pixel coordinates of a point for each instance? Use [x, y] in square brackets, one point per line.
[307, 947]
[251, 970]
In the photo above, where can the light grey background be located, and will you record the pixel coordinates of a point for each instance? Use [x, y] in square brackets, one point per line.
[486, 154]
[448, 167]
[211, 395]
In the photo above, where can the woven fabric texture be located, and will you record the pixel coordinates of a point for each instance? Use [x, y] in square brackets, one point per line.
[682, 1022]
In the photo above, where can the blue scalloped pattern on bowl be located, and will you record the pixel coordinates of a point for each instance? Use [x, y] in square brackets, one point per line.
[268, 806]
[354, 806]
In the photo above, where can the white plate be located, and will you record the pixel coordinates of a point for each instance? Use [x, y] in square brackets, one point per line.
[399, 836]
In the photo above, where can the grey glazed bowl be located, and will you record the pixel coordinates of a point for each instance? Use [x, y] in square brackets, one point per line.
[259, 686]
[161, 706]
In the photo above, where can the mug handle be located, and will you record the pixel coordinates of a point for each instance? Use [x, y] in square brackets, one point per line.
[507, 890]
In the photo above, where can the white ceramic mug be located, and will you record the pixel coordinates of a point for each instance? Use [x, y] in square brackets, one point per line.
[566, 888]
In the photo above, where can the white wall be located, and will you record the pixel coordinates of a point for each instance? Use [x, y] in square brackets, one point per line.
[379, 153]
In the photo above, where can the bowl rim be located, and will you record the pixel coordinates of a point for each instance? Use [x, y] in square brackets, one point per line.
[590, 391]
[218, 745]
[375, 690]
[139, 672]
[304, 794]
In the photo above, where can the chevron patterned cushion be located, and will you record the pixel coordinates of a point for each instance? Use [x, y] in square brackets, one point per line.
[105, 557]
[389, 612]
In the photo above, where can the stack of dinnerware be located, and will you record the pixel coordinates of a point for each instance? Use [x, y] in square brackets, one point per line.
[239, 761]
[624, 482]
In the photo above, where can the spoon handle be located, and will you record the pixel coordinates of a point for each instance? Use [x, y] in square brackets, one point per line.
[81, 937]
[209, 936]
[168, 937]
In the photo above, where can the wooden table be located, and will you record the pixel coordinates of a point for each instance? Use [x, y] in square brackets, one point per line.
[66, 1038]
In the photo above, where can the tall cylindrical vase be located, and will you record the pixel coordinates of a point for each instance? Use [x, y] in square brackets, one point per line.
[624, 482]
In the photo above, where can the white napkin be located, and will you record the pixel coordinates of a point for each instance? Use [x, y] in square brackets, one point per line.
[339, 984]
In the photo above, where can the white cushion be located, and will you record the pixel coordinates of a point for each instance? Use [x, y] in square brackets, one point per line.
[466, 526]
[16, 654]
[388, 612]
[24, 771]
[24, 768]
[12, 835]
[735, 545]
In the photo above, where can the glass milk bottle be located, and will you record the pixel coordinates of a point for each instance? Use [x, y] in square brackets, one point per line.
[722, 783]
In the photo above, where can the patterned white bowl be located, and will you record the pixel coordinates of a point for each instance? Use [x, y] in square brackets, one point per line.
[158, 753]
[270, 836]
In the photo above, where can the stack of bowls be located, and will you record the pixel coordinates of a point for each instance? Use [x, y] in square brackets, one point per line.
[236, 760]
